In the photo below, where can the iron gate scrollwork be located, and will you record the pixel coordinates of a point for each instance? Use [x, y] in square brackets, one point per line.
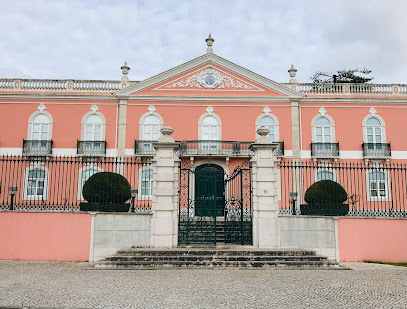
[210, 201]
[238, 208]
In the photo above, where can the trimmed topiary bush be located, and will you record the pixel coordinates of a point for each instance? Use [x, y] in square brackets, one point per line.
[108, 190]
[325, 197]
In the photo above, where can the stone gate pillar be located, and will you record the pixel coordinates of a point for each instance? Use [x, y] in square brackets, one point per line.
[164, 222]
[266, 182]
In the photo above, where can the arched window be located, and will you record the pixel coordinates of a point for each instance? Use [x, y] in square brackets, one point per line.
[93, 128]
[271, 125]
[271, 122]
[325, 175]
[151, 128]
[374, 132]
[40, 128]
[323, 130]
[209, 129]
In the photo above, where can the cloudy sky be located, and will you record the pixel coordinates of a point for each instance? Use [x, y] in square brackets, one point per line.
[91, 39]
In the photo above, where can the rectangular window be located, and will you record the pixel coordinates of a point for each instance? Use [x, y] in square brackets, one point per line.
[35, 185]
[146, 184]
[378, 185]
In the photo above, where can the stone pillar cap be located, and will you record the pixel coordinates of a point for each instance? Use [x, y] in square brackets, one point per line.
[263, 131]
[167, 130]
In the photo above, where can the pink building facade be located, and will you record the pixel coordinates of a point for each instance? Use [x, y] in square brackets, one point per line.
[354, 134]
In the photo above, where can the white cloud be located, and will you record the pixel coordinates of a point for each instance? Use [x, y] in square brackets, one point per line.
[91, 39]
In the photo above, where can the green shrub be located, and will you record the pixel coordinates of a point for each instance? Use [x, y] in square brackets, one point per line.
[106, 188]
[325, 191]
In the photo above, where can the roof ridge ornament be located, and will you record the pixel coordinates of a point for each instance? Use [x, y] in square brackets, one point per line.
[292, 71]
[125, 70]
[209, 42]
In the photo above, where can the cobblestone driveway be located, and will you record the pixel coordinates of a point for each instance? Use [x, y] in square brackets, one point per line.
[70, 285]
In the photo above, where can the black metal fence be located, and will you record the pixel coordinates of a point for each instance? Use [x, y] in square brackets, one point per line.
[372, 190]
[55, 183]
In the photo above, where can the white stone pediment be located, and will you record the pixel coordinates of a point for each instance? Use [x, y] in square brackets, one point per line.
[209, 72]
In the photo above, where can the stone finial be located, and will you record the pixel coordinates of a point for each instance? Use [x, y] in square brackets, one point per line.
[292, 71]
[209, 42]
[125, 70]
[263, 131]
[166, 131]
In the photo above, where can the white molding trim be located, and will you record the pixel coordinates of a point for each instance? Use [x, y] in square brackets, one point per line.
[276, 124]
[314, 131]
[31, 120]
[216, 60]
[143, 118]
[218, 120]
[27, 170]
[85, 118]
[383, 126]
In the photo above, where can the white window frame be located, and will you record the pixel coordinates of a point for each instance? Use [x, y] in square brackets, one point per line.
[276, 125]
[31, 124]
[140, 196]
[200, 125]
[143, 118]
[314, 128]
[325, 167]
[365, 126]
[371, 198]
[79, 196]
[84, 123]
[35, 197]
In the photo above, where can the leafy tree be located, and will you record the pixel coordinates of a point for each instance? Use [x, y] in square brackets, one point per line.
[355, 76]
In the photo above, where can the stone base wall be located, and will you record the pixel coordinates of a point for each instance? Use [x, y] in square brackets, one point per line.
[112, 232]
[310, 232]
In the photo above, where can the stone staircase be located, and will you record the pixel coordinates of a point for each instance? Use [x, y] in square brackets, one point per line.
[226, 257]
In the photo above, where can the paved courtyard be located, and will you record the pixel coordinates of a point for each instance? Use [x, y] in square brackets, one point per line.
[71, 285]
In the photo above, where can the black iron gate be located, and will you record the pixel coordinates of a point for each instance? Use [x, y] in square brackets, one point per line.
[210, 201]
[238, 208]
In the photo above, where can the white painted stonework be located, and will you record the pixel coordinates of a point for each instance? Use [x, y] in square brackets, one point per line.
[265, 175]
[164, 222]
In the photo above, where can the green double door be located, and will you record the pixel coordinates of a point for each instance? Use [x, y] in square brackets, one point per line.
[209, 191]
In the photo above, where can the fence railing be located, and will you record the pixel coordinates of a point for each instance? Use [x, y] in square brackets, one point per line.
[376, 149]
[375, 190]
[37, 147]
[144, 147]
[55, 183]
[325, 149]
[214, 147]
[91, 148]
[346, 88]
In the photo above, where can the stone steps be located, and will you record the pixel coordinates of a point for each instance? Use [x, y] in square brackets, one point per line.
[136, 258]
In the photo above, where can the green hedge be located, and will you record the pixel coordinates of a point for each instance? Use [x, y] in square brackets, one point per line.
[106, 188]
[325, 191]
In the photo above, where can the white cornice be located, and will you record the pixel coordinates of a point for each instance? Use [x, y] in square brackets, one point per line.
[208, 99]
[230, 66]
[43, 96]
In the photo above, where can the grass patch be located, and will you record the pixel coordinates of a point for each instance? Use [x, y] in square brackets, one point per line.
[387, 263]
